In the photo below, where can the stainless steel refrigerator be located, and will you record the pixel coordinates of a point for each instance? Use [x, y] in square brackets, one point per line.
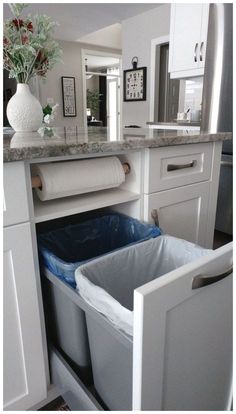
[217, 107]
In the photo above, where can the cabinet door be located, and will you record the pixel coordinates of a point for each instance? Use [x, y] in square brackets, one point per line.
[15, 188]
[188, 34]
[23, 367]
[182, 351]
[182, 212]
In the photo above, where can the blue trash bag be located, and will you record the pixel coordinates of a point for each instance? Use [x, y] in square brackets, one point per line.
[63, 250]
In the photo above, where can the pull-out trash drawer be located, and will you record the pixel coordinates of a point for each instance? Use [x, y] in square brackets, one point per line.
[164, 341]
[62, 251]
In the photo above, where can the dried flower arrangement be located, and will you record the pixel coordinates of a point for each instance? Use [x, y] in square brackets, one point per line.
[28, 45]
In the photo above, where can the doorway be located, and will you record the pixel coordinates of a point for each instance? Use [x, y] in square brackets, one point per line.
[102, 91]
[168, 99]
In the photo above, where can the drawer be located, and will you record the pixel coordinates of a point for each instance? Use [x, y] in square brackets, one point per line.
[15, 200]
[176, 166]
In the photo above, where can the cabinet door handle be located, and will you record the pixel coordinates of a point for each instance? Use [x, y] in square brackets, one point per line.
[195, 52]
[154, 215]
[200, 55]
[173, 167]
[201, 281]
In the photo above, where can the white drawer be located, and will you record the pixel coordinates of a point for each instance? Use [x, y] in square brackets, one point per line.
[15, 201]
[171, 167]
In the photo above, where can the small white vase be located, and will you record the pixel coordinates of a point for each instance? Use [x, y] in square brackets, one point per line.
[24, 111]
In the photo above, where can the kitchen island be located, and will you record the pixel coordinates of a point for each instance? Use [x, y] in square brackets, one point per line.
[173, 180]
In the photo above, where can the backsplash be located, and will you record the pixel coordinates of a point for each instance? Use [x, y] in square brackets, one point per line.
[190, 94]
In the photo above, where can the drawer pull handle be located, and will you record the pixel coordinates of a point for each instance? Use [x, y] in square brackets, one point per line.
[195, 52]
[201, 281]
[173, 167]
[154, 215]
[201, 47]
[227, 163]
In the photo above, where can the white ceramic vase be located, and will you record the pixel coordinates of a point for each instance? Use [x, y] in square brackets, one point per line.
[24, 111]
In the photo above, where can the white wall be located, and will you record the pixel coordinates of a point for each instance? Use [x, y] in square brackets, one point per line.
[71, 66]
[137, 33]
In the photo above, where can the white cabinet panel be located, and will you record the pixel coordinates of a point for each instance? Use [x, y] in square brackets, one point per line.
[15, 202]
[188, 36]
[182, 352]
[24, 371]
[12, 329]
[182, 212]
[176, 166]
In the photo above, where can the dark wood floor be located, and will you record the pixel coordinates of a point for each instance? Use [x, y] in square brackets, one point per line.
[56, 405]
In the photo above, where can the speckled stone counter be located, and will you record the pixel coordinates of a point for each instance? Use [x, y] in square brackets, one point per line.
[58, 142]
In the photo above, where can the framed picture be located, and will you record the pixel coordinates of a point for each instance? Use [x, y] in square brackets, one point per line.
[135, 81]
[68, 95]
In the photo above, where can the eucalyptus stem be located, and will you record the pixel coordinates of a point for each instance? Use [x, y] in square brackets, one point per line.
[32, 66]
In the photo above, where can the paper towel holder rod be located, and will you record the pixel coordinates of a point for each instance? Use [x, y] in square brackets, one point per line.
[37, 183]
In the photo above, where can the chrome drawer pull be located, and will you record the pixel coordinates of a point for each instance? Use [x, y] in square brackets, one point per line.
[195, 52]
[154, 215]
[173, 167]
[201, 58]
[227, 163]
[201, 281]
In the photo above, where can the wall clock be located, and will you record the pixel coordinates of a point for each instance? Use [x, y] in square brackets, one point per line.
[135, 84]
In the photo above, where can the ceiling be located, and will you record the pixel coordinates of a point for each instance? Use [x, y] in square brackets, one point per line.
[77, 20]
[95, 62]
[109, 36]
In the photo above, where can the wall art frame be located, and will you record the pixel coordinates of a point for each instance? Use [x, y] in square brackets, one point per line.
[68, 96]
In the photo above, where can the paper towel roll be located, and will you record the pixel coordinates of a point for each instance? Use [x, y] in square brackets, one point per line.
[62, 179]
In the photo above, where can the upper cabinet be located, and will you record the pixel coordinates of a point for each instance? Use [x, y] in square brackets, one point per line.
[188, 37]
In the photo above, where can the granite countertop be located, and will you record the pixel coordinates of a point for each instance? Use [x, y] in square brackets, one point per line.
[57, 142]
[181, 122]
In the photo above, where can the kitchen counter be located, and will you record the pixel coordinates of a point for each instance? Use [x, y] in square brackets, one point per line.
[182, 123]
[177, 125]
[57, 142]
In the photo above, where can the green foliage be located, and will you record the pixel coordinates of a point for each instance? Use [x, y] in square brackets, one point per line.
[28, 45]
[93, 99]
[47, 110]
[17, 8]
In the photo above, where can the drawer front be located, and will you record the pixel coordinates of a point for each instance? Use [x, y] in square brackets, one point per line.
[15, 201]
[179, 328]
[172, 167]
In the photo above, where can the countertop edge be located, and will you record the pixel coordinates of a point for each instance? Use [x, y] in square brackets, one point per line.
[29, 153]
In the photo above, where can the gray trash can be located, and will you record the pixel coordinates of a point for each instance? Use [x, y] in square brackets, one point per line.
[62, 251]
[107, 285]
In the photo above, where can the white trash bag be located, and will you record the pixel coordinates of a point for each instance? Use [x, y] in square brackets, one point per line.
[107, 283]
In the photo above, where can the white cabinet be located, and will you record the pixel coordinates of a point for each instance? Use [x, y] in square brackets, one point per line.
[181, 186]
[15, 200]
[188, 37]
[24, 370]
[182, 212]
[24, 375]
